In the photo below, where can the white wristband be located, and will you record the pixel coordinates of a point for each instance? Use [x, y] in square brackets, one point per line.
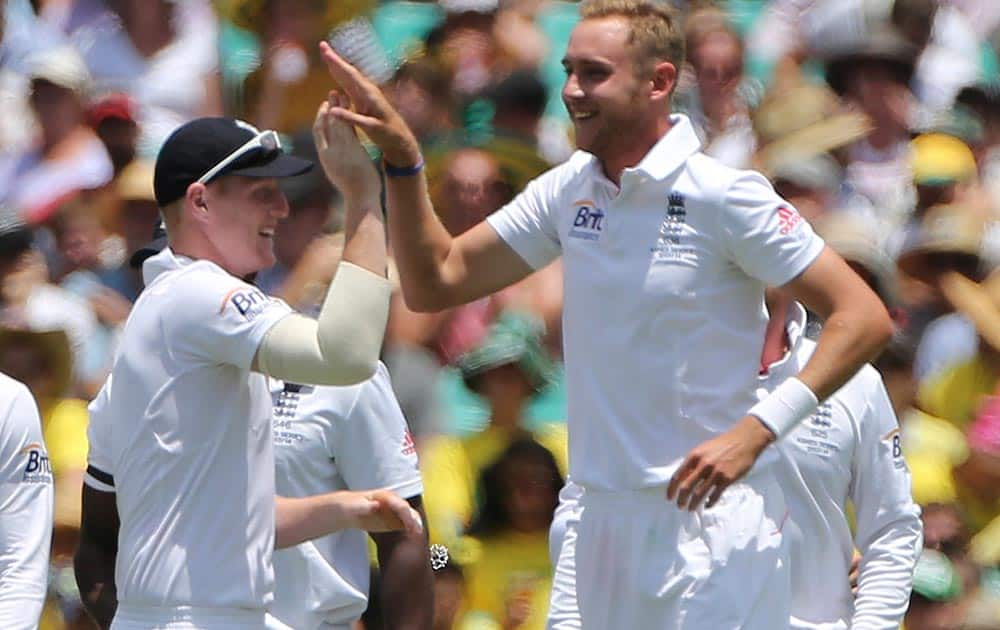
[784, 408]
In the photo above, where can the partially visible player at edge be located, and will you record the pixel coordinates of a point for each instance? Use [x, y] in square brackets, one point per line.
[666, 256]
[26, 497]
[184, 421]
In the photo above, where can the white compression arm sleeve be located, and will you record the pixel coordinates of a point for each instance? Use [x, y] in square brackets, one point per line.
[341, 346]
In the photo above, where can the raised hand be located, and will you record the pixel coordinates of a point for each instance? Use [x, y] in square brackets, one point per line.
[346, 163]
[369, 110]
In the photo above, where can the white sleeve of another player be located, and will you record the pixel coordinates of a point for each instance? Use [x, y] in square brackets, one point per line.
[99, 474]
[217, 318]
[25, 514]
[372, 445]
[526, 223]
[889, 532]
[765, 234]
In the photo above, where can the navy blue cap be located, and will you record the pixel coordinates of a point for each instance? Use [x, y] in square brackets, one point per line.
[196, 147]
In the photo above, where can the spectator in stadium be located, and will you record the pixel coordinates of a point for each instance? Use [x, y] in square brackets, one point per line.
[510, 578]
[67, 155]
[506, 368]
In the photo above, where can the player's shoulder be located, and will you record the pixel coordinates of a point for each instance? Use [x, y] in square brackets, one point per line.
[11, 390]
[14, 393]
[715, 181]
[564, 178]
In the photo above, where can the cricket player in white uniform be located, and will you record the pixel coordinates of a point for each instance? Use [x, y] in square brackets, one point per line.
[848, 450]
[666, 254]
[186, 423]
[348, 438]
[25, 508]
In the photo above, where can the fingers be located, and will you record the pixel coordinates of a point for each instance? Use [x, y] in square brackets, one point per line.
[716, 494]
[695, 480]
[687, 467]
[408, 518]
[346, 75]
[367, 123]
[693, 489]
[319, 127]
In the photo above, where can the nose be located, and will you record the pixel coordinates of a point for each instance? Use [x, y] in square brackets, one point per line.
[571, 88]
[281, 209]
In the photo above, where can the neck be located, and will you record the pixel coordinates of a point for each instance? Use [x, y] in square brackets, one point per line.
[198, 249]
[633, 150]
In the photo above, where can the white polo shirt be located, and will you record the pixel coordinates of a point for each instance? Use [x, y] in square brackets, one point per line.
[663, 318]
[328, 439]
[182, 434]
[848, 450]
[25, 508]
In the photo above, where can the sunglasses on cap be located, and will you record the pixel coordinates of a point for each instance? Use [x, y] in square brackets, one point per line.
[267, 140]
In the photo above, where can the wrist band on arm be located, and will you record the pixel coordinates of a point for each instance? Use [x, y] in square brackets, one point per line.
[784, 408]
[403, 171]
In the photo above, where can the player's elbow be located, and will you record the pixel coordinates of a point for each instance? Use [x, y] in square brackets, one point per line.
[879, 328]
[421, 299]
[352, 370]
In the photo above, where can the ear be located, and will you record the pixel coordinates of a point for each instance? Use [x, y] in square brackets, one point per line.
[664, 79]
[195, 199]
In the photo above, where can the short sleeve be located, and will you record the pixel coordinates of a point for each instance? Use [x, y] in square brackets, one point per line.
[220, 319]
[24, 459]
[765, 234]
[526, 224]
[372, 446]
[100, 472]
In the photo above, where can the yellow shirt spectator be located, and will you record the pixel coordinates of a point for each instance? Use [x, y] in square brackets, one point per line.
[956, 394]
[512, 571]
[451, 468]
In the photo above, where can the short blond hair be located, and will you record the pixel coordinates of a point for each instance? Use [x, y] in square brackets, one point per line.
[655, 30]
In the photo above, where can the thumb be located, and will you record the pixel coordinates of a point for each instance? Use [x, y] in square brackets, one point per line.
[366, 123]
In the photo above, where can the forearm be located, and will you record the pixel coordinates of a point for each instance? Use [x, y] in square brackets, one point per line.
[297, 520]
[421, 244]
[365, 231]
[95, 577]
[340, 347]
[407, 579]
[849, 339]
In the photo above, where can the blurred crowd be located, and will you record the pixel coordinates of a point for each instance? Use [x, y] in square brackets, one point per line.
[878, 119]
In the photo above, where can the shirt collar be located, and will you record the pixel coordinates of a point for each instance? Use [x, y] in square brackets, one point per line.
[162, 262]
[672, 150]
[795, 329]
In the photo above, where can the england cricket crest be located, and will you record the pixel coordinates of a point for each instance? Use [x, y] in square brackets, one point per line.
[669, 245]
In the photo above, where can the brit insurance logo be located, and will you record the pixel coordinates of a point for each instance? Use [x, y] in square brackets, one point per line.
[37, 468]
[588, 222]
[248, 302]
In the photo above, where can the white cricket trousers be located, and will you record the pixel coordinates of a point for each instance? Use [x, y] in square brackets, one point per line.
[192, 618]
[634, 560]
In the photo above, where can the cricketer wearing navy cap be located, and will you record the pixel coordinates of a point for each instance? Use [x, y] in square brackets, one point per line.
[207, 148]
[181, 430]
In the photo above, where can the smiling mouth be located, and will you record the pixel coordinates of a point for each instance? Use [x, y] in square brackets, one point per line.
[266, 233]
[583, 115]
